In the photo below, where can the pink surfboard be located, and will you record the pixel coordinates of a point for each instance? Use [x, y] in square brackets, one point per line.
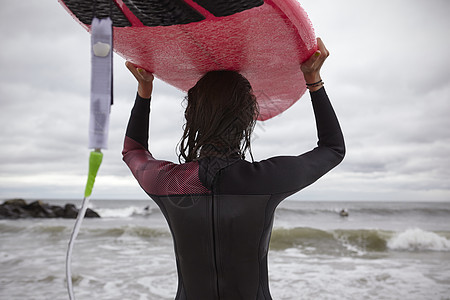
[179, 41]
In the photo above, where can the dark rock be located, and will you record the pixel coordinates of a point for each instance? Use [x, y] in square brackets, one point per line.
[39, 209]
[91, 214]
[16, 202]
[9, 211]
[70, 211]
[12, 209]
[18, 208]
[58, 211]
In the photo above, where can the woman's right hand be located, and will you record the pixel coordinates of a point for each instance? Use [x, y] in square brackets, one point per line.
[144, 78]
[311, 67]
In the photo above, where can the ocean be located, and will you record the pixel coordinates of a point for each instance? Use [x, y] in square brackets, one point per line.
[381, 250]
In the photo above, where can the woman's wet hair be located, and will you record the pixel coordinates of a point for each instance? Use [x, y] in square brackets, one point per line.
[221, 114]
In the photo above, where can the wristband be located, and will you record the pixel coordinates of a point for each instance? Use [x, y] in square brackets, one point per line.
[315, 83]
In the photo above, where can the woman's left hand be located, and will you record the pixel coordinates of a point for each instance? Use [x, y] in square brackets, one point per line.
[311, 67]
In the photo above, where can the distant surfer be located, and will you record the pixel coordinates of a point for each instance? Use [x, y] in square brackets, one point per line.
[343, 213]
[220, 207]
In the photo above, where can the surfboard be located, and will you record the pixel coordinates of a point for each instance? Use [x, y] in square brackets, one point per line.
[180, 40]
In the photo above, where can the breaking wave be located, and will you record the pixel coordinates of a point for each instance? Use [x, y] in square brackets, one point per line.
[358, 241]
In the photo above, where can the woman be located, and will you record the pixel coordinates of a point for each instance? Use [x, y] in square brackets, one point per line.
[219, 207]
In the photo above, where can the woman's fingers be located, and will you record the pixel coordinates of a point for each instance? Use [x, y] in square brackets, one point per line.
[144, 78]
[140, 74]
[131, 67]
[322, 48]
[315, 62]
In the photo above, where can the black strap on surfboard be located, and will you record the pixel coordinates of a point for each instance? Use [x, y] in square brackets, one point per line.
[157, 12]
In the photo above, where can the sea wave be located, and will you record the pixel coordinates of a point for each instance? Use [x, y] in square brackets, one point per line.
[308, 240]
[39, 228]
[358, 241]
[124, 212]
[130, 231]
[372, 211]
[87, 231]
[417, 239]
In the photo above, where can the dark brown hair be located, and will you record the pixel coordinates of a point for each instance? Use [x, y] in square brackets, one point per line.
[220, 116]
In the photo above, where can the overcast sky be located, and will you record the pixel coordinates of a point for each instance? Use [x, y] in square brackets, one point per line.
[388, 77]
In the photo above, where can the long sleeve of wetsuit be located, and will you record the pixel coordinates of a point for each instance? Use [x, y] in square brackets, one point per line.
[330, 150]
[289, 174]
[155, 176]
[135, 148]
[138, 124]
[328, 129]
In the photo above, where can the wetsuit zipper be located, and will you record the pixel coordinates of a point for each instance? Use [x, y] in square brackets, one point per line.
[214, 243]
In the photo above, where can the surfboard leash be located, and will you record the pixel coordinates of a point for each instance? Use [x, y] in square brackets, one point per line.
[95, 160]
[100, 107]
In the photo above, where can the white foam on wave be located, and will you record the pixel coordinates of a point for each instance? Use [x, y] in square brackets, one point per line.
[347, 278]
[417, 239]
[124, 212]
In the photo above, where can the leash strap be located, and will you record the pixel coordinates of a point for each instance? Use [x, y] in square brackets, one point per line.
[101, 82]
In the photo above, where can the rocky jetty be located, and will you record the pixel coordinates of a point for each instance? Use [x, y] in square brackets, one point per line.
[19, 208]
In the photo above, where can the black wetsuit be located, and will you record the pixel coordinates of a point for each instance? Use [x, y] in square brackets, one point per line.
[220, 211]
